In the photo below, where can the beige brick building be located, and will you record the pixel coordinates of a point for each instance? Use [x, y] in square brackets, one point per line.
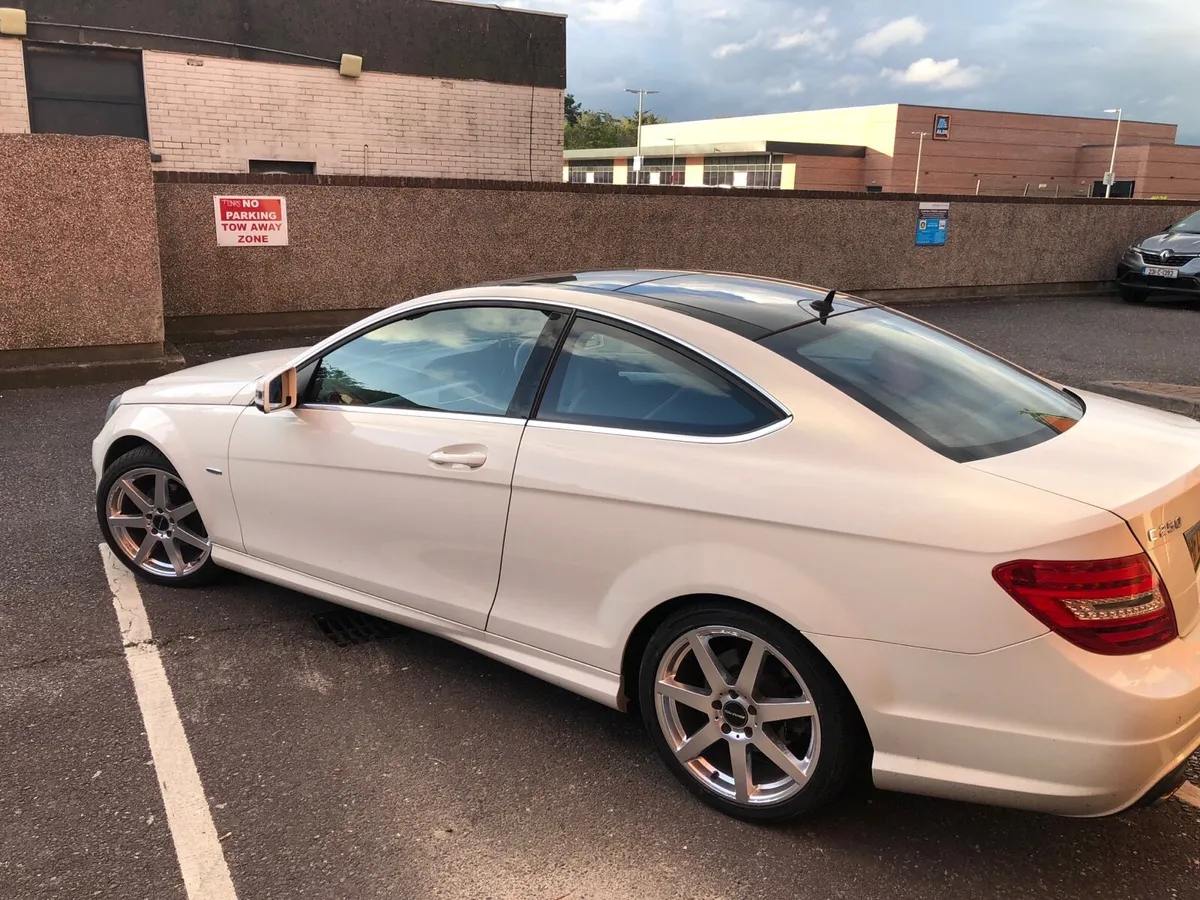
[486, 105]
[875, 148]
[14, 113]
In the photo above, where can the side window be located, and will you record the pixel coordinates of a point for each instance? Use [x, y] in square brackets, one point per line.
[460, 359]
[608, 376]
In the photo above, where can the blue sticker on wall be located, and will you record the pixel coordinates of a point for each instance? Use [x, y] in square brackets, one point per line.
[933, 224]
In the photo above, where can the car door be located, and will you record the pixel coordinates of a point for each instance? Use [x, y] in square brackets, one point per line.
[635, 464]
[392, 475]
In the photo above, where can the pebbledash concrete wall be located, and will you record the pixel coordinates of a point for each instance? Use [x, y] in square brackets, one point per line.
[378, 242]
[95, 248]
[79, 262]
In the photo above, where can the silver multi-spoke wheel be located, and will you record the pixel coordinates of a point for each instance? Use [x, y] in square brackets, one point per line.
[154, 522]
[737, 715]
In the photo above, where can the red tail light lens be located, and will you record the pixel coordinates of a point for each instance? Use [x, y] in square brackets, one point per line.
[1110, 606]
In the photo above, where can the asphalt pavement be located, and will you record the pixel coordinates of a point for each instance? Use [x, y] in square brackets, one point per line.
[411, 768]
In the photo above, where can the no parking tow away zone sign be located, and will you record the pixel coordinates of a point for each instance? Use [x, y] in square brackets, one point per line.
[251, 221]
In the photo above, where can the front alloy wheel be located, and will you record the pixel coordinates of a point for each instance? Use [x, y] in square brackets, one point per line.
[759, 728]
[151, 521]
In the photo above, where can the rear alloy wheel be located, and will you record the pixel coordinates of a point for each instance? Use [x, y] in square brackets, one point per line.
[151, 522]
[747, 714]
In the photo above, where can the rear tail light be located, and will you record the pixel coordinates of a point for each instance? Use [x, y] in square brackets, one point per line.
[1110, 606]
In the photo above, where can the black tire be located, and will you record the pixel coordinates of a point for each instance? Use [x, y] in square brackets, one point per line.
[841, 736]
[1132, 295]
[147, 460]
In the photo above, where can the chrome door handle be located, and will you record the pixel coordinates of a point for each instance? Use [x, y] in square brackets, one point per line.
[473, 459]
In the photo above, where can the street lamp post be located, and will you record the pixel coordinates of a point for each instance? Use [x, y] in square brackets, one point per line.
[641, 92]
[1111, 175]
[920, 150]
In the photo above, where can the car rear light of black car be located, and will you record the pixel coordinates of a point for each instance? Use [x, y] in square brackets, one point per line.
[1110, 606]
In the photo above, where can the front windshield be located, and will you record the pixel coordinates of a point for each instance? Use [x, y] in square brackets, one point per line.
[1190, 225]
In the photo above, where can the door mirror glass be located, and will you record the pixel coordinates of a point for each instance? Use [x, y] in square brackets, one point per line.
[276, 391]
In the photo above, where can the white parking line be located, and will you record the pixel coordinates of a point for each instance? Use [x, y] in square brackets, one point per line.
[1189, 794]
[205, 873]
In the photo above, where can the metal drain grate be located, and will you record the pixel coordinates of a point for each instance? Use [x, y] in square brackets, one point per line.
[346, 628]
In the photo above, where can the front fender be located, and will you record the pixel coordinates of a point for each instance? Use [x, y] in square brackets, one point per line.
[196, 441]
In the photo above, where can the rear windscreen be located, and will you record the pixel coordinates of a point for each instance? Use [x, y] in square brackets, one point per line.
[954, 398]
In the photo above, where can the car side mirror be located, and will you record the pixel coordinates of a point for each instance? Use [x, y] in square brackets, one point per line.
[276, 391]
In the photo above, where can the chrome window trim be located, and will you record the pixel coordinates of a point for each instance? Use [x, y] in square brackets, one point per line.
[414, 413]
[386, 317]
[778, 425]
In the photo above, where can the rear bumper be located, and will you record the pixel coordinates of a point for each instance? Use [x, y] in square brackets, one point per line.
[1040, 725]
[1132, 277]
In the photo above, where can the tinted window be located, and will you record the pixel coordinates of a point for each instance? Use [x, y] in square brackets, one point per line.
[85, 90]
[958, 400]
[466, 360]
[607, 376]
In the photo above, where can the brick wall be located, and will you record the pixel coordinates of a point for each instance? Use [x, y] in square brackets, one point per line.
[1004, 152]
[14, 105]
[214, 114]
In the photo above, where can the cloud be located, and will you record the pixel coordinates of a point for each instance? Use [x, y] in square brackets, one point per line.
[730, 49]
[948, 74]
[806, 37]
[796, 87]
[851, 84]
[598, 11]
[909, 30]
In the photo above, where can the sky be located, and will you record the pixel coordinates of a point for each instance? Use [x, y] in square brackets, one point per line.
[713, 58]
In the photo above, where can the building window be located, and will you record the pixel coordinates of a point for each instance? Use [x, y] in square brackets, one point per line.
[85, 90]
[281, 167]
[600, 172]
[743, 171]
[659, 170]
[874, 188]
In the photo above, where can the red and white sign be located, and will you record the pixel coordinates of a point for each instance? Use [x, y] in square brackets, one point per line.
[251, 221]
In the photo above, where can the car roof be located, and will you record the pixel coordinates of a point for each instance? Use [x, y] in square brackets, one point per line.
[747, 305]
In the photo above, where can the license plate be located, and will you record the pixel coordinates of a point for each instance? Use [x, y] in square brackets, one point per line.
[1160, 272]
[1192, 536]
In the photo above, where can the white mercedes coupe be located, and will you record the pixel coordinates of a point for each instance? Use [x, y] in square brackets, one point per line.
[802, 535]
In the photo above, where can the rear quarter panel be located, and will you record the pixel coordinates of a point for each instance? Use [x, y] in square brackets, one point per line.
[839, 523]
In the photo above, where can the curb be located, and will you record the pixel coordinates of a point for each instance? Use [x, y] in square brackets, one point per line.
[92, 372]
[1166, 401]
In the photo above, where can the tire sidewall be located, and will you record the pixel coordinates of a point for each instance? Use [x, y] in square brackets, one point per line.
[837, 720]
[139, 458]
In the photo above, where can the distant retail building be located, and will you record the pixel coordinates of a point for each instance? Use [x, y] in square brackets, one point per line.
[875, 148]
[374, 87]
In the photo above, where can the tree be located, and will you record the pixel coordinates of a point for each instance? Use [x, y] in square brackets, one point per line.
[572, 109]
[596, 128]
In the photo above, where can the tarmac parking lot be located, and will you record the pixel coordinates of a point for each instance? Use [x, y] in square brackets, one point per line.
[408, 767]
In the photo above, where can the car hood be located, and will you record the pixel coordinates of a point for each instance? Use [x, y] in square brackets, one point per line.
[217, 382]
[1178, 242]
